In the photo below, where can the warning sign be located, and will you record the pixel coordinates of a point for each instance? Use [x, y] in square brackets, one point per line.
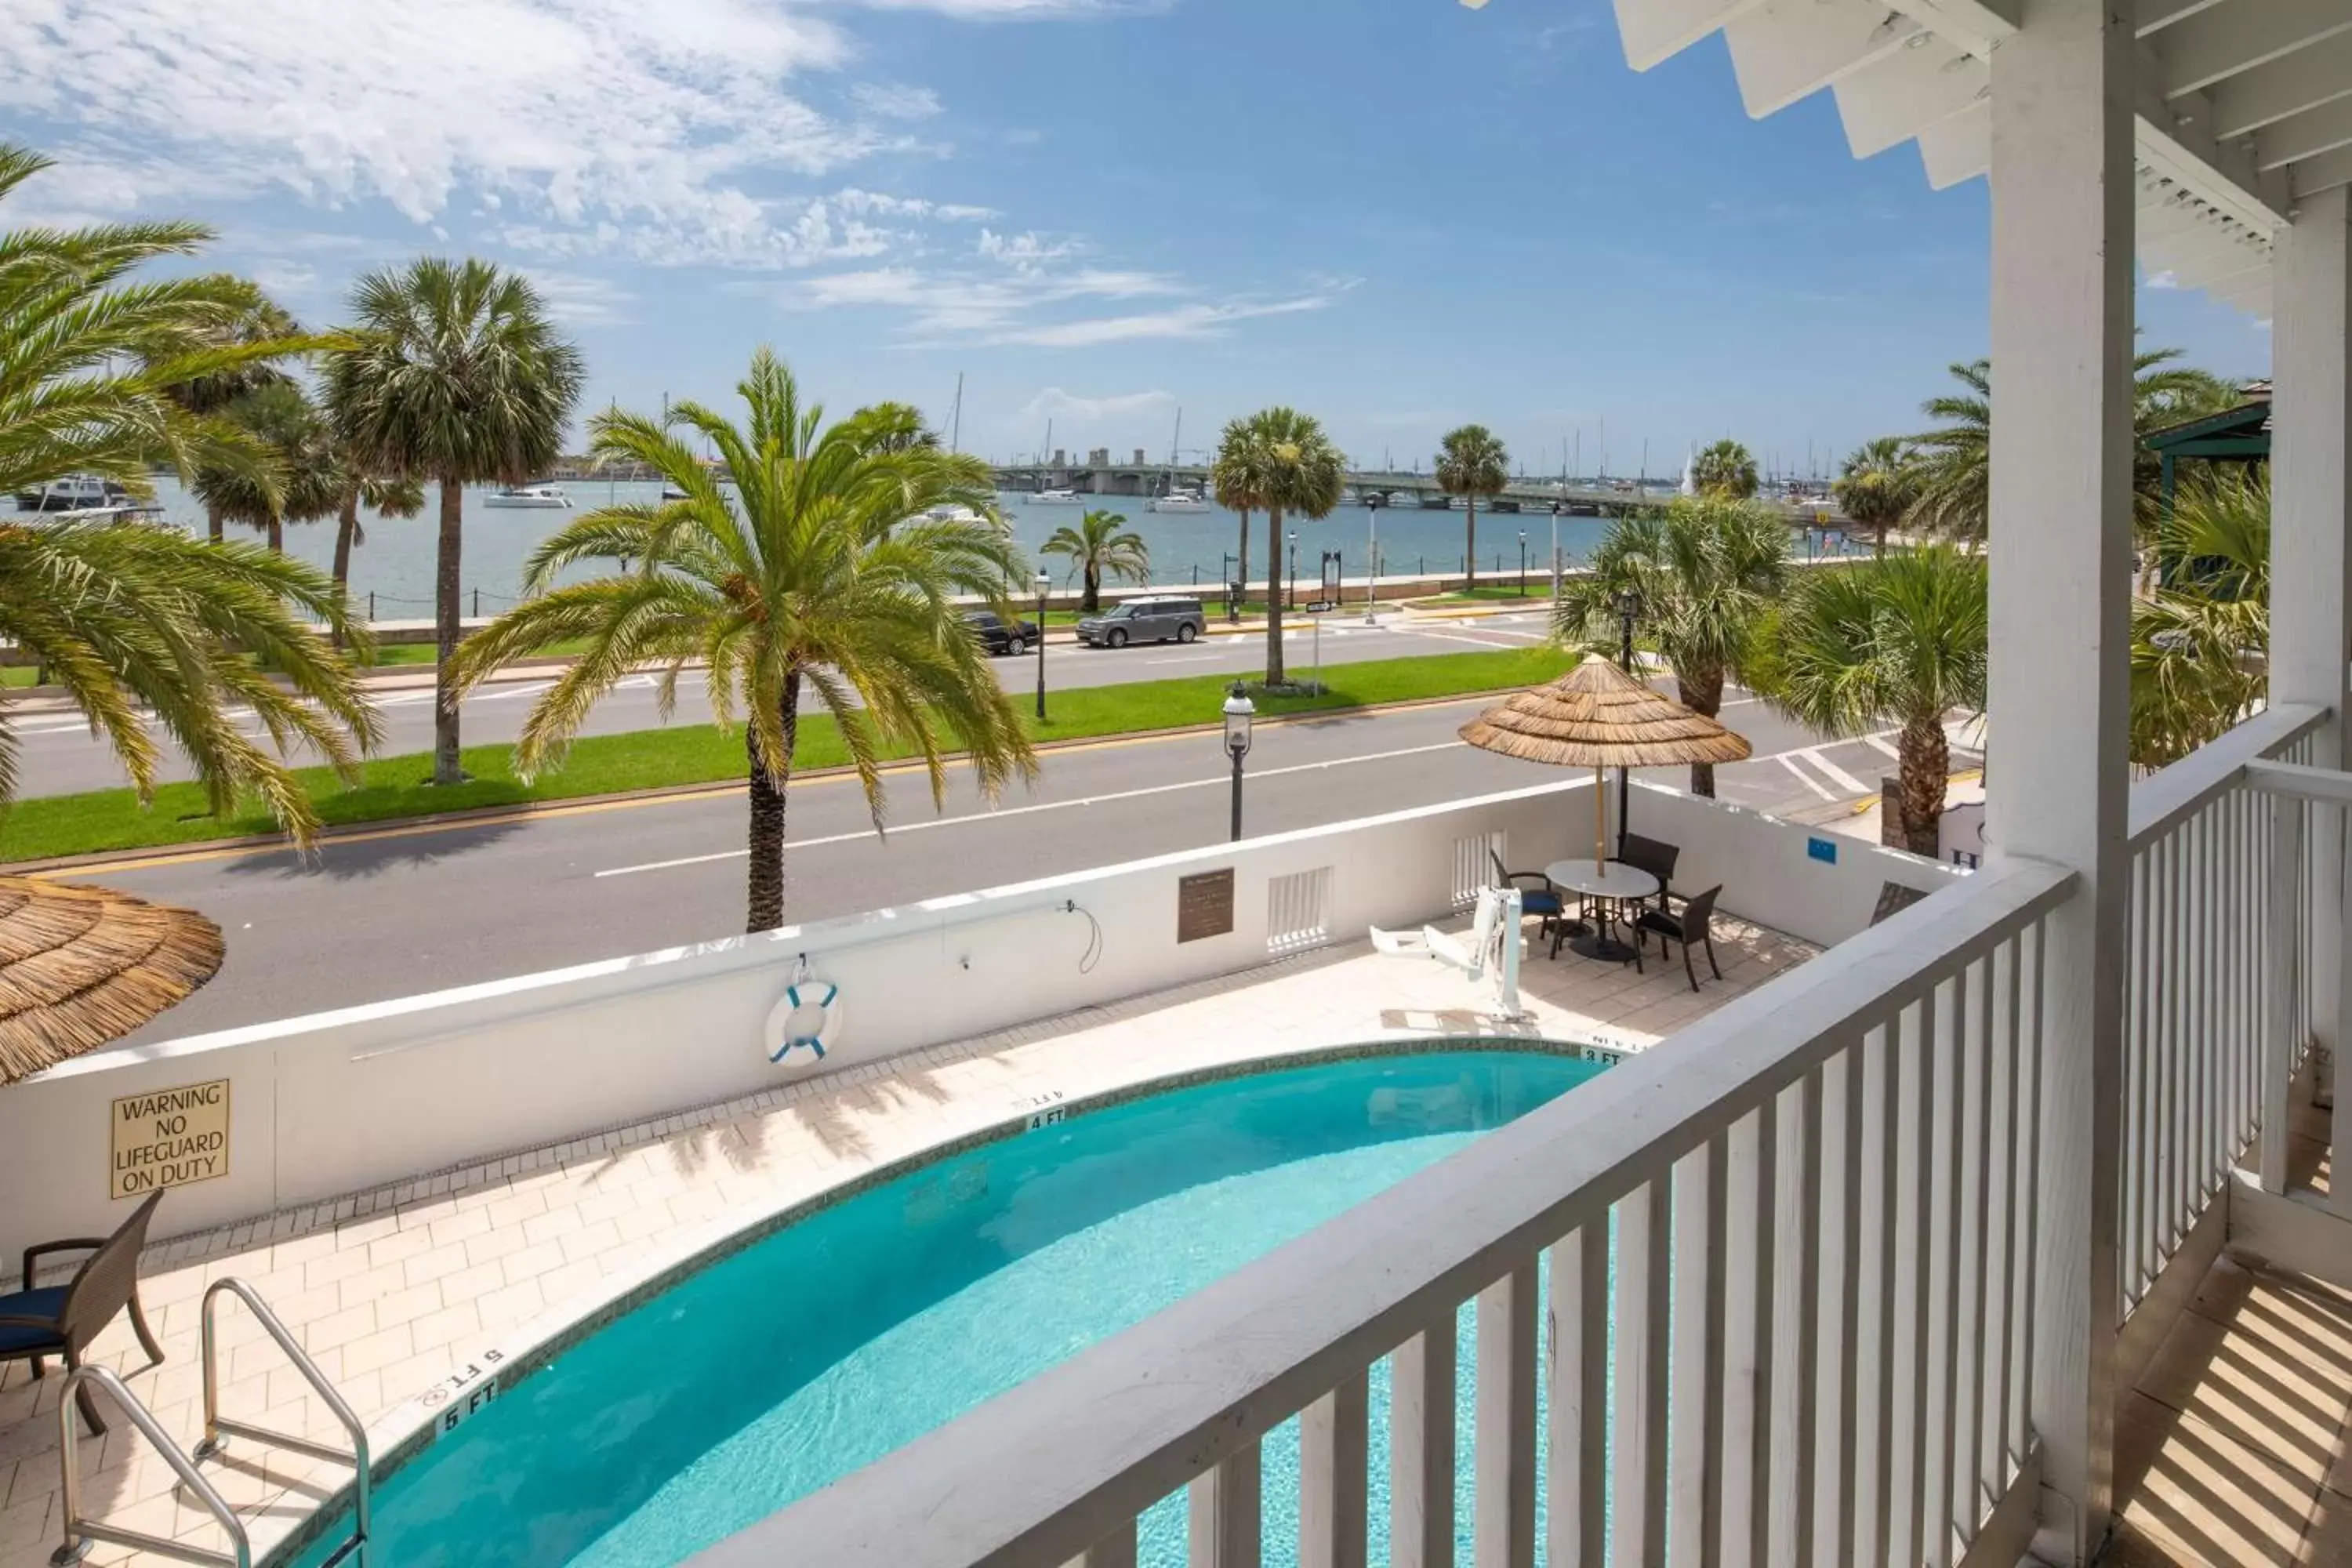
[170, 1138]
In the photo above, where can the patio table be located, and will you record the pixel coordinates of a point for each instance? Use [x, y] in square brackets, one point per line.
[1612, 883]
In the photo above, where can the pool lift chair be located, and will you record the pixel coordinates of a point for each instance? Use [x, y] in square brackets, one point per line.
[1495, 942]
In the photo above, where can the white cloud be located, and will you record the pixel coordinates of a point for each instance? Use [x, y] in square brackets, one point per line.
[1055, 404]
[893, 101]
[956, 212]
[1183, 322]
[592, 117]
[1024, 252]
[966, 305]
[581, 301]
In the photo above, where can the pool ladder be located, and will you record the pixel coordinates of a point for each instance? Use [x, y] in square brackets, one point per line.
[81, 1533]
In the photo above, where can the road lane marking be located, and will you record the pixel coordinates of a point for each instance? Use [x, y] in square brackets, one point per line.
[998, 815]
[1788, 761]
[1885, 745]
[1189, 659]
[1834, 773]
[1456, 637]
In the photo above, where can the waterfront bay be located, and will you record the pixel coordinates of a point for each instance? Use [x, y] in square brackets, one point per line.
[396, 564]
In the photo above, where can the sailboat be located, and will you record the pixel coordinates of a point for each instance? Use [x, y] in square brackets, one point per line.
[1180, 501]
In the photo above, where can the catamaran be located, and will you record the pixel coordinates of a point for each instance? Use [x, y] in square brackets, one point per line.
[1057, 498]
[1186, 501]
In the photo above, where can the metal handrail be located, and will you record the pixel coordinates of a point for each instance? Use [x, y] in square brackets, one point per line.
[81, 1533]
[218, 1428]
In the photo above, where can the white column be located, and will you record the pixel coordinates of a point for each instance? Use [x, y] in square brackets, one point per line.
[2311, 568]
[2060, 563]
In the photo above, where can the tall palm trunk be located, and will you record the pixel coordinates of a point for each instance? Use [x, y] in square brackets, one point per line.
[1702, 692]
[1923, 764]
[1470, 545]
[276, 533]
[1241, 567]
[213, 530]
[447, 565]
[1094, 590]
[767, 874]
[1273, 596]
[347, 528]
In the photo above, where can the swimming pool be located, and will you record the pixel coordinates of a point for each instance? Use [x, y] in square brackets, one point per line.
[847, 1333]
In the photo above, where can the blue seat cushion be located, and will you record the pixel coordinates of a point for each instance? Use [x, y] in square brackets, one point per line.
[16, 1339]
[1539, 903]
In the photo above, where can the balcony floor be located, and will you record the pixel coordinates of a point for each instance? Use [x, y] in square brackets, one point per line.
[394, 1289]
[2233, 1449]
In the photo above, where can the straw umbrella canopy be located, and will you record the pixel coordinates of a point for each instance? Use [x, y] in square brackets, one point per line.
[1596, 716]
[80, 966]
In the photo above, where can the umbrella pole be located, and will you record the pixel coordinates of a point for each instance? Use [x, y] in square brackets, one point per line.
[1599, 821]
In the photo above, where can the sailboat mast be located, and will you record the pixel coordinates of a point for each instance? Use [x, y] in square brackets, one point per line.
[955, 418]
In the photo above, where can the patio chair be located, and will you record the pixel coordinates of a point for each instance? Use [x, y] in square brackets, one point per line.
[1688, 927]
[1656, 857]
[62, 1320]
[1543, 899]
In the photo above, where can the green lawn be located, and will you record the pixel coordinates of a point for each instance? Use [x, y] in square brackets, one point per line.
[395, 787]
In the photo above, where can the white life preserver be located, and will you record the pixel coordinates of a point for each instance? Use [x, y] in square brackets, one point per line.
[791, 1024]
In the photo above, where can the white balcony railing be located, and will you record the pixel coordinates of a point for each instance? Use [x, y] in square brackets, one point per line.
[1811, 1205]
[2204, 933]
[1785, 1261]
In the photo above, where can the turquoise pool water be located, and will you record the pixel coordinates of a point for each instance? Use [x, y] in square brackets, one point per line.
[842, 1337]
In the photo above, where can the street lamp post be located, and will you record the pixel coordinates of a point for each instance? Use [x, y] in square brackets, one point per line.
[1629, 606]
[1557, 507]
[1044, 587]
[1372, 504]
[1523, 564]
[1239, 711]
[1290, 587]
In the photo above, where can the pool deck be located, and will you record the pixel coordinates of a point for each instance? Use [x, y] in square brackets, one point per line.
[396, 1291]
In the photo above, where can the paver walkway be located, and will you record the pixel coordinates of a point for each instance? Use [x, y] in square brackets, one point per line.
[394, 1291]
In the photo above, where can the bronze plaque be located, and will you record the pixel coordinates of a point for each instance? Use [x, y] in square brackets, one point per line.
[1204, 904]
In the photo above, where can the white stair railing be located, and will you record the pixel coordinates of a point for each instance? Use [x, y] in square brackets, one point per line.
[1814, 1204]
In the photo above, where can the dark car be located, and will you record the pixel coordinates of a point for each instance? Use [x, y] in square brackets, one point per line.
[1152, 620]
[998, 637]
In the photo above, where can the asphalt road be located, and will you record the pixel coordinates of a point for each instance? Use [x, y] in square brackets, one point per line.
[59, 756]
[416, 909]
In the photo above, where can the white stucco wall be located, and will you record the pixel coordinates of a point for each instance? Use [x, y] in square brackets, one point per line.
[337, 1102]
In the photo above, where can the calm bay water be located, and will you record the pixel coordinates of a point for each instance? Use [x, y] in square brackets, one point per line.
[396, 564]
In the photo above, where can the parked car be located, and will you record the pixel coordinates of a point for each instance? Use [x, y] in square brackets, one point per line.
[998, 637]
[1145, 620]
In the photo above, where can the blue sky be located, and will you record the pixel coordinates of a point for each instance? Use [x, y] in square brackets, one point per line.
[1398, 217]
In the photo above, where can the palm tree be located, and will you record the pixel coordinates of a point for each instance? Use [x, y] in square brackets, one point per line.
[302, 486]
[1101, 545]
[257, 320]
[91, 369]
[1705, 572]
[896, 426]
[821, 573]
[385, 495]
[1471, 462]
[134, 621]
[1724, 469]
[1300, 473]
[1875, 486]
[453, 374]
[2200, 646]
[1955, 471]
[1896, 641]
[1238, 480]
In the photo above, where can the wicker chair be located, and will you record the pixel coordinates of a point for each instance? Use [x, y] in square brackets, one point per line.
[1657, 857]
[1543, 899]
[62, 1320]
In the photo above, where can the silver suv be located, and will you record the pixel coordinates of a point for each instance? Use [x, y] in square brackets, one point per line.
[1144, 620]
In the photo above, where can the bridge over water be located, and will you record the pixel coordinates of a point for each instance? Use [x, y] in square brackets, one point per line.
[1583, 499]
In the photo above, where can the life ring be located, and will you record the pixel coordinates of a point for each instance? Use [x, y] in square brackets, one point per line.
[788, 1022]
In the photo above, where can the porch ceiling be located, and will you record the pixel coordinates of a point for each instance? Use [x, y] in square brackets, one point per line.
[2245, 106]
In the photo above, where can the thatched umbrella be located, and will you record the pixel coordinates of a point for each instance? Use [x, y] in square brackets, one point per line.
[1596, 716]
[80, 966]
